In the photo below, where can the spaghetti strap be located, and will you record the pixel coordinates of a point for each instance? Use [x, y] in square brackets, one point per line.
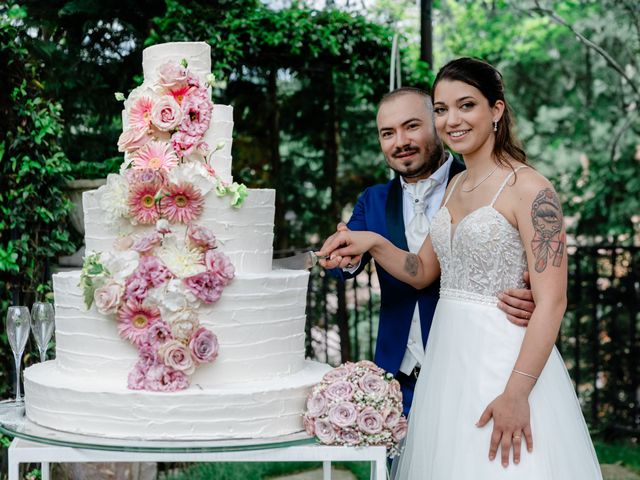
[504, 184]
[453, 189]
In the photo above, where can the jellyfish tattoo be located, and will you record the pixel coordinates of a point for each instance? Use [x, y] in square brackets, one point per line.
[549, 239]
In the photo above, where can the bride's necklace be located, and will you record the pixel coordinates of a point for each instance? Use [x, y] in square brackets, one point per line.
[480, 182]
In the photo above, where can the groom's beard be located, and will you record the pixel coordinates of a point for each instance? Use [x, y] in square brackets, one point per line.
[431, 163]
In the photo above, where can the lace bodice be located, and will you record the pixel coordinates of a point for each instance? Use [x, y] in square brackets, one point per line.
[482, 255]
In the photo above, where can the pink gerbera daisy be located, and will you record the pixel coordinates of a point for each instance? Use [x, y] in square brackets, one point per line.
[179, 93]
[135, 320]
[182, 204]
[140, 113]
[155, 156]
[142, 202]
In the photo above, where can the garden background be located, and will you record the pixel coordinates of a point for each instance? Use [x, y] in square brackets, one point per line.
[304, 78]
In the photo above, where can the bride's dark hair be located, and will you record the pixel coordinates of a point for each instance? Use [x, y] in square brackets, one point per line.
[488, 80]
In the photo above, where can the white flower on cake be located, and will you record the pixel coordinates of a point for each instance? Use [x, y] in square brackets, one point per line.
[173, 297]
[183, 323]
[194, 173]
[181, 260]
[114, 197]
[121, 264]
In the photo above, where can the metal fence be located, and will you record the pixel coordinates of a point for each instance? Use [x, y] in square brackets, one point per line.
[598, 339]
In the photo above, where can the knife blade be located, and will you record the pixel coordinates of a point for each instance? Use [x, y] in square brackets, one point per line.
[300, 261]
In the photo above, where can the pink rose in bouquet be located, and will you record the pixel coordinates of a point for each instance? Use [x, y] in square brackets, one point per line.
[204, 346]
[357, 404]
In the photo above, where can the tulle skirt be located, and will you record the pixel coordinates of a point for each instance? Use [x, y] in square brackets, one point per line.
[471, 351]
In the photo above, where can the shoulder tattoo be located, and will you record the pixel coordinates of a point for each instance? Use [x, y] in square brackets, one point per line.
[411, 264]
[549, 239]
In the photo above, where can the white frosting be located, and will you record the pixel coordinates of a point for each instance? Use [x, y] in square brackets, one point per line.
[95, 405]
[259, 322]
[244, 234]
[197, 54]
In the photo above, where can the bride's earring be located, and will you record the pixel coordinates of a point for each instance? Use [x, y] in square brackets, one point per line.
[495, 126]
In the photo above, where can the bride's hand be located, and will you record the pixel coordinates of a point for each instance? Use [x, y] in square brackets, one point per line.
[511, 422]
[346, 243]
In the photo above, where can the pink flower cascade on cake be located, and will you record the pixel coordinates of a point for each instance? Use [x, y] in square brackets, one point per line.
[357, 404]
[154, 283]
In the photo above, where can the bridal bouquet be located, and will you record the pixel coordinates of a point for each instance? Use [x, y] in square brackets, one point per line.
[357, 404]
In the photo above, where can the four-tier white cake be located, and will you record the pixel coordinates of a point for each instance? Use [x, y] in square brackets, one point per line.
[252, 379]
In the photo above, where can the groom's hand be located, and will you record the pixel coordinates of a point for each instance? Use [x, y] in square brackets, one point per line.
[339, 261]
[518, 303]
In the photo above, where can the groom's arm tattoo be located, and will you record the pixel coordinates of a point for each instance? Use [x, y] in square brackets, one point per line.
[549, 238]
[411, 264]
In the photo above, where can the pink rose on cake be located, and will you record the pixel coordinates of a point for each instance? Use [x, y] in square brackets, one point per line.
[204, 345]
[172, 75]
[220, 265]
[107, 298]
[201, 237]
[177, 356]
[132, 139]
[166, 114]
[147, 243]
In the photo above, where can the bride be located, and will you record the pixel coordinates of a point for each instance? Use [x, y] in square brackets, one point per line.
[493, 400]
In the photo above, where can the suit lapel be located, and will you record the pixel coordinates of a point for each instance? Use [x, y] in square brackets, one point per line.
[394, 215]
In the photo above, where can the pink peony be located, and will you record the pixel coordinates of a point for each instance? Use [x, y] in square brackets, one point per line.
[350, 436]
[147, 242]
[204, 345]
[172, 75]
[155, 155]
[206, 286]
[166, 114]
[370, 421]
[108, 297]
[372, 384]
[159, 333]
[201, 236]
[140, 113]
[161, 378]
[177, 356]
[182, 204]
[184, 144]
[399, 431]
[324, 431]
[137, 377]
[142, 202]
[132, 139]
[343, 414]
[339, 391]
[316, 404]
[219, 264]
[136, 288]
[197, 108]
[153, 270]
[135, 320]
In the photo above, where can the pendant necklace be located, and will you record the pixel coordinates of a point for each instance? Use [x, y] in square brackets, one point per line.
[480, 182]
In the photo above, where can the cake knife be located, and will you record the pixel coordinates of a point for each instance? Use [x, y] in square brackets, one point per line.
[300, 261]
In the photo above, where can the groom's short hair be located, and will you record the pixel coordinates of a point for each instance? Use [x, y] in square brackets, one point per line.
[405, 91]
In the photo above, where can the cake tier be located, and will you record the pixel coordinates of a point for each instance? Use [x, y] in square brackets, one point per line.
[244, 234]
[259, 322]
[94, 405]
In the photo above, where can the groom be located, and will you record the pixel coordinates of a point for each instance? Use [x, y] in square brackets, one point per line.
[401, 211]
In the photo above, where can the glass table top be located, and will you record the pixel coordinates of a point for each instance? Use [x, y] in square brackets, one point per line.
[14, 423]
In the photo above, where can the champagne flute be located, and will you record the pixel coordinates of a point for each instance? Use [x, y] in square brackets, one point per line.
[18, 321]
[42, 318]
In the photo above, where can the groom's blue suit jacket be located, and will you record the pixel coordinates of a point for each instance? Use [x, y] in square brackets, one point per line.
[379, 209]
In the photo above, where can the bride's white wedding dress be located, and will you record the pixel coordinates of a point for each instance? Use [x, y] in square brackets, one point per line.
[471, 351]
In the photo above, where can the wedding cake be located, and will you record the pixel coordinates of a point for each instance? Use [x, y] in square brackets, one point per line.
[177, 327]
